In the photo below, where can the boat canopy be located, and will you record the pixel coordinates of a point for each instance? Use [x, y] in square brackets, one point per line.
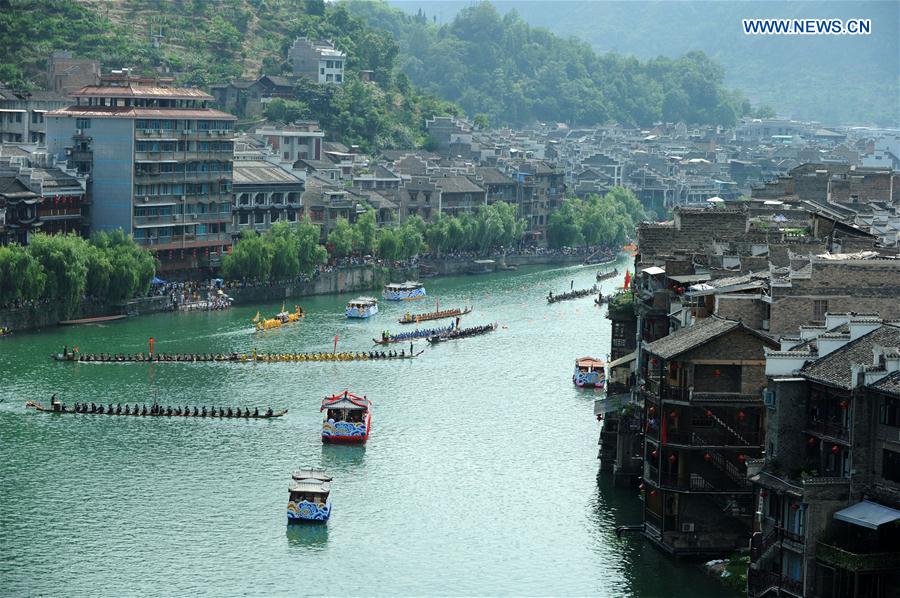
[310, 486]
[587, 362]
[363, 301]
[403, 286]
[345, 400]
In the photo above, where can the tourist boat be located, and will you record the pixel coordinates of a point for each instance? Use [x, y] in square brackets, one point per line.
[280, 319]
[155, 410]
[362, 307]
[462, 333]
[403, 291]
[607, 275]
[309, 500]
[589, 373]
[409, 318]
[347, 419]
[389, 338]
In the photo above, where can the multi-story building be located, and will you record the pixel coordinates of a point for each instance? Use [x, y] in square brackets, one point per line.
[541, 188]
[265, 193]
[66, 73]
[160, 162]
[297, 141]
[828, 491]
[22, 114]
[317, 60]
[703, 419]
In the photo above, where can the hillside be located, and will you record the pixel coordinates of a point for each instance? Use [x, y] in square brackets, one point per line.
[835, 79]
[207, 41]
[500, 66]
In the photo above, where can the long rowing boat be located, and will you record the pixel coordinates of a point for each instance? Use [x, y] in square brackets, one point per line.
[233, 357]
[409, 336]
[607, 275]
[96, 320]
[463, 333]
[551, 298]
[434, 315]
[155, 411]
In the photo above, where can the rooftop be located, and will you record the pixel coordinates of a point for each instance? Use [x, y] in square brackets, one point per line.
[142, 91]
[685, 339]
[132, 112]
[835, 369]
[260, 172]
[890, 384]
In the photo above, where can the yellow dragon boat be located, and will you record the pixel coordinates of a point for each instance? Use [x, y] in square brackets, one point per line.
[280, 319]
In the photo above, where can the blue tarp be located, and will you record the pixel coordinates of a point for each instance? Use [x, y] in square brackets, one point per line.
[157, 280]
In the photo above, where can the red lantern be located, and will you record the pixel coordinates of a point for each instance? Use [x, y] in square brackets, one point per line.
[742, 458]
[795, 507]
[811, 441]
[653, 454]
[672, 458]
[672, 414]
[844, 404]
[654, 361]
[707, 457]
[680, 289]
[716, 372]
[653, 493]
[741, 414]
[835, 450]
[708, 413]
[764, 493]
[652, 410]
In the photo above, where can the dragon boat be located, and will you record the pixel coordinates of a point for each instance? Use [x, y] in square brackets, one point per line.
[409, 318]
[347, 418]
[254, 357]
[601, 276]
[462, 333]
[280, 319]
[154, 410]
[551, 298]
[309, 496]
[388, 338]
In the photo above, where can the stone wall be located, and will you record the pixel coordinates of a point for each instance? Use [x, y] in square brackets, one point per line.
[749, 309]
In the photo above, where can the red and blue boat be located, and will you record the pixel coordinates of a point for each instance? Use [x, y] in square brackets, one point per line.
[347, 418]
[589, 373]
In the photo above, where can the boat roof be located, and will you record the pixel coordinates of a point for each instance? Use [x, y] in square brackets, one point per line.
[589, 362]
[310, 486]
[363, 301]
[404, 285]
[345, 400]
[311, 473]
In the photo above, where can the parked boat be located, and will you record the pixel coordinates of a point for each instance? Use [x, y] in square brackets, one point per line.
[388, 338]
[280, 319]
[409, 318]
[589, 373]
[362, 307]
[551, 298]
[347, 419]
[601, 276]
[403, 291]
[462, 333]
[155, 410]
[309, 498]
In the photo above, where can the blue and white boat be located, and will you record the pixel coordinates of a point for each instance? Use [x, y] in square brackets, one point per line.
[310, 496]
[362, 307]
[403, 291]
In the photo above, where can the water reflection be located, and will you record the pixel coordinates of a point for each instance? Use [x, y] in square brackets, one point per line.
[310, 536]
[341, 457]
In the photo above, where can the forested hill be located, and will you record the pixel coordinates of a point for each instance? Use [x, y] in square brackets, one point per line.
[515, 74]
[835, 79]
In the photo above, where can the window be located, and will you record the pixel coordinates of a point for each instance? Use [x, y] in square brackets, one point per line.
[260, 217]
[329, 77]
[82, 123]
[338, 78]
[890, 465]
[37, 118]
[890, 412]
[18, 117]
[329, 64]
[618, 329]
[820, 308]
[322, 71]
[243, 218]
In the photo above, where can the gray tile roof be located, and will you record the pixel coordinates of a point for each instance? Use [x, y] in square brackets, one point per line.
[685, 339]
[260, 172]
[457, 184]
[890, 384]
[834, 369]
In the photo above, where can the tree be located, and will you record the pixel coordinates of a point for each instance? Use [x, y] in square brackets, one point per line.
[311, 252]
[286, 111]
[342, 238]
[22, 277]
[285, 249]
[388, 246]
[365, 232]
[63, 259]
[250, 259]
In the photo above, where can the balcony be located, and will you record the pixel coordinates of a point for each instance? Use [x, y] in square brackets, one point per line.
[725, 397]
[176, 242]
[857, 561]
[832, 430]
[761, 582]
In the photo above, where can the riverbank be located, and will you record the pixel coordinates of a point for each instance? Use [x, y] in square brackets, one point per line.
[349, 279]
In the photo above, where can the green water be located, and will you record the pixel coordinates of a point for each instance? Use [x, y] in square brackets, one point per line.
[480, 476]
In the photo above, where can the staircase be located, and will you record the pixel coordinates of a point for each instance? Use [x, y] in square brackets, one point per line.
[729, 469]
[731, 430]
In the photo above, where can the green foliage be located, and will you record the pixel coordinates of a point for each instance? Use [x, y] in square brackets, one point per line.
[596, 220]
[492, 226]
[510, 73]
[365, 232]
[281, 253]
[342, 238]
[286, 111]
[66, 268]
[388, 245]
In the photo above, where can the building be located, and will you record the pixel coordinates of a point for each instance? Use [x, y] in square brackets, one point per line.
[248, 97]
[297, 141]
[265, 193]
[317, 60]
[828, 491]
[160, 162]
[703, 419]
[22, 114]
[66, 74]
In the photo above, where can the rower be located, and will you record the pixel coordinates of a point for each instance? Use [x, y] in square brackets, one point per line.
[256, 412]
[229, 412]
[203, 411]
[269, 412]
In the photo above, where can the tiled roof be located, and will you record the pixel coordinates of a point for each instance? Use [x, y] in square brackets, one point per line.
[492, 176]
[834, 369]
[890, 384]
[685, 339]
[131, 112]
[140, 91]
[260, 172]
[457, 184]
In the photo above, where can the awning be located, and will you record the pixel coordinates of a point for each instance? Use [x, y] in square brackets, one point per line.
[653, 270]
[868, 514]
[687, 278]
[623, 360]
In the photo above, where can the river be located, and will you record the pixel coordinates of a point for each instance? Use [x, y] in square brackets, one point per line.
[480, 477]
